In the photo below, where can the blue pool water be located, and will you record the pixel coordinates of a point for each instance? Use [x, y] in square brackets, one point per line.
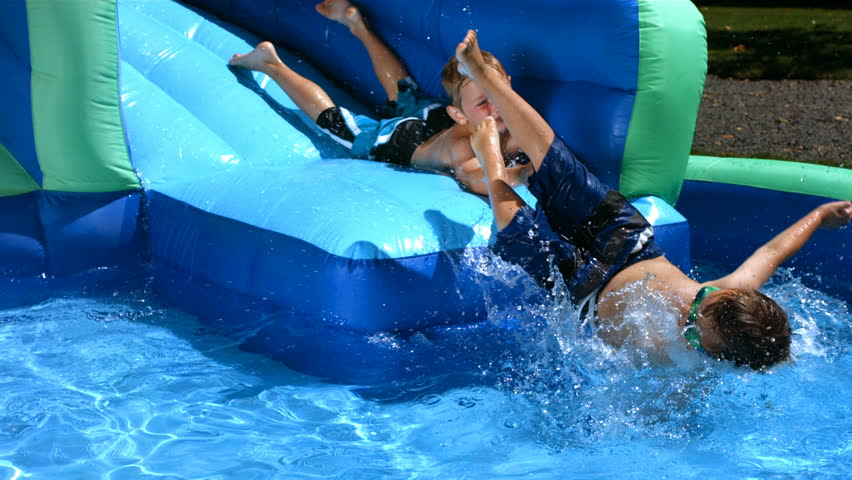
[102, 381]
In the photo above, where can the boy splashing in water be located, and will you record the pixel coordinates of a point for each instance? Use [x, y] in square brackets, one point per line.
[419, 131]
[601, 245]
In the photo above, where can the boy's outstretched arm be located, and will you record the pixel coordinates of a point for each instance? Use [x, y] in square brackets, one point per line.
[757, 269]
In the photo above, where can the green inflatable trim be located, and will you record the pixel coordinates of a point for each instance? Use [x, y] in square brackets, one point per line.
[14, 179]
[794, 177]
[77, 124]
[672, 70]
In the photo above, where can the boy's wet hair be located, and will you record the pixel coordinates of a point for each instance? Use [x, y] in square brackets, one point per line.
[452, 80]
[755, 329]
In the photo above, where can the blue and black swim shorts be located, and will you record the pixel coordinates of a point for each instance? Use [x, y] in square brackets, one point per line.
[407, 122]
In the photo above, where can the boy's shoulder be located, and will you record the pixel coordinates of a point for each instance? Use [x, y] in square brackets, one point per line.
[444, 150]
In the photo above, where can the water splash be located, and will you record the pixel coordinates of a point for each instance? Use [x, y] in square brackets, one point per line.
[819, 322]
[586, 391]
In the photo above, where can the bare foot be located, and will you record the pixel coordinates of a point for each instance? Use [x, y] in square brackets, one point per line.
[261, 59]
[342, 11]
[469, 56]
[485, 142]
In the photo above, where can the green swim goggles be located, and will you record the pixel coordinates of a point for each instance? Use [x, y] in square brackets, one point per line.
[690, 331]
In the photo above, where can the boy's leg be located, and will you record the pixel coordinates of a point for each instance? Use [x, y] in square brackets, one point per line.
[389, 70]
[391, 140]
[577, 204]
[308, 96]
[566, 190]
[525, 237]
[608, 238]
[525, 124]
[505, 203]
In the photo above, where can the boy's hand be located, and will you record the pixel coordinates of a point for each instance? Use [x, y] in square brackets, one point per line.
[835, 214]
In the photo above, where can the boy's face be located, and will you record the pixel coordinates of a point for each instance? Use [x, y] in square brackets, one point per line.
[475, 106]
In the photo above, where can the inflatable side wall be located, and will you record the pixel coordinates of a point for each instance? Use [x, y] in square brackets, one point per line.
[734, 205]
[69, 199]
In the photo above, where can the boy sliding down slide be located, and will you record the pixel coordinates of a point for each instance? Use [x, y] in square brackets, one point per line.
[602, 245]
[418, 131]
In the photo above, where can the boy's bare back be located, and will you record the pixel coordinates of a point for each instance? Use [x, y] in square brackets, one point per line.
[662, 276]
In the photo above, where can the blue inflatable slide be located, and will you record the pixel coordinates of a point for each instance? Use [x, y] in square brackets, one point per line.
[126, 140]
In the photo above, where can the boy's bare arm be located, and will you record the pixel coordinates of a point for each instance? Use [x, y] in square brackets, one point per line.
[438, 152]
[449, 151]
[757, 269]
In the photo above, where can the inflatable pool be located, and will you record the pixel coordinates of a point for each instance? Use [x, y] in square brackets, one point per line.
[126, 141]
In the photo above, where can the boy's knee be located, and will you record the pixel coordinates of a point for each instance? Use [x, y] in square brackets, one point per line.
[332, 122]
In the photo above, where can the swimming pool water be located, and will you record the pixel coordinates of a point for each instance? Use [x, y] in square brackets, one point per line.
[105, 382]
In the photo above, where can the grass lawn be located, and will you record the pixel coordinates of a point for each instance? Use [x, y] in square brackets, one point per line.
[777, 43]
[776, 40]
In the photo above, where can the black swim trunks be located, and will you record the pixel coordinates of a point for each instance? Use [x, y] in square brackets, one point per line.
[407, 122]
[589, 231]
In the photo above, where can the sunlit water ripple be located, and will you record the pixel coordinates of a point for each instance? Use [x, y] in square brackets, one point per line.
[117, 386]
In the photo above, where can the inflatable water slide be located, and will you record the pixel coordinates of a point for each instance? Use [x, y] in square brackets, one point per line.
[127, 142]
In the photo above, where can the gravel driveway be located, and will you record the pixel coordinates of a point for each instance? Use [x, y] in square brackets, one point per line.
[808, 120]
